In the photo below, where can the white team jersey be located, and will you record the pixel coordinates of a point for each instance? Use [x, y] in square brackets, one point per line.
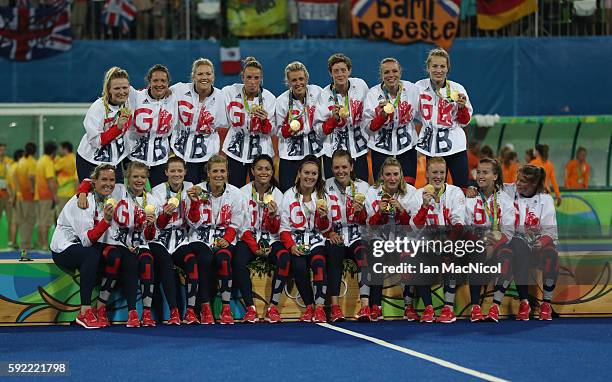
[397, 135]
[154, 121]
[96, 122]
[374, 195]
[175, 234]
[449, 211]
[74, 223]
[240, 143]
[129, 219]
[476, 215]
[349, 135]
[195, 139]
[307, 141]
[217, 214]
[441, 134]
[535, 216]
[255, 211]
[298, 218]
[343, 216]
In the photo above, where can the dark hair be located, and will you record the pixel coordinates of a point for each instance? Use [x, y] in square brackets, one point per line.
[175, 159]
[67, 146]
[18, 154]
[2, 144]
[50, 148]
[530, 153]
[543, 151]
[341, 153]
[157, 68]
[268, 159]
[30, 149]
[535, 175]
[251, 62]
[579, 149]
[320, 185]
[486, 152]
[337, 58]
[497, 170]
[508, 157]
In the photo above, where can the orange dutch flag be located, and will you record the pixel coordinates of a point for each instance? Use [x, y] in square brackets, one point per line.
[495, 14]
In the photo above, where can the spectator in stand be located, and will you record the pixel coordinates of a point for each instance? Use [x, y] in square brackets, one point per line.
[143, 19]
[529, 155]
[13, 192]
[78, 18]
[45, 194]
[577, 171]
[65, 168]
[26, 211]
[160, 8]
[541, 160]
[486, 152]
[473, 154]
[510, 166]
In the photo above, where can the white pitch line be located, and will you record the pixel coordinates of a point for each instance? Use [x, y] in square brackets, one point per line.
[414, 353]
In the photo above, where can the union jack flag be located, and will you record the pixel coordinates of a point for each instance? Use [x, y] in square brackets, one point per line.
[119, 13]
[33, 32]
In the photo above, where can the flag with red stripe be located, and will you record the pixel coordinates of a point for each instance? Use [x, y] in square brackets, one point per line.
[495, 14]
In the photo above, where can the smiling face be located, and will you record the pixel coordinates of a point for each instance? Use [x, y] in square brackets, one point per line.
[203, 78]
[391, 176]
[436, 175]
[104, 184]
[485, 176]
[119, 89]
[252, 77]
[340, 74]
[341, 168]
[297, 82]
[438, 69]
[217, 175]
[308, 175]
[391, 74]
[138, 180]
[158, 84]
[262, 172]
[175, 173]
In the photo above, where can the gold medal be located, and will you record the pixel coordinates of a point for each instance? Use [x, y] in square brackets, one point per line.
[343, 112]
[111, 201]
[149, 209]
[454, 96]
[295, 125]
[389, 108]
[174, 201]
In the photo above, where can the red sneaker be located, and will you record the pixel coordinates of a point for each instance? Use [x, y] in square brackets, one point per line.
[307, 315]
[319, 315]
[476, 314]
[175, 317]
[336, 314]
[101, 316]
[272, 315]
[428, 314]
[147, 320]
[447, 315]
[88, 320]
[364, 314]
[524, 309]
[226, 315]
[250, 315]
[206, 316]
[545, 312]
[133, 321]
[376, 313]
[410, 313]
[493, 314]
[190, 317]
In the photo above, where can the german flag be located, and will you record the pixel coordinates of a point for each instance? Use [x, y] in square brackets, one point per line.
[495, 14]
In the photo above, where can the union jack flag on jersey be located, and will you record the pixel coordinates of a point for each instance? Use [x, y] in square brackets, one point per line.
[33, 32]
[119, 13]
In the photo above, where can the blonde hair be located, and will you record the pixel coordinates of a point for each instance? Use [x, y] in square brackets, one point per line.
[251, 62]
[216, 159]
[111, 74]
[201, 61]
[295, 66]
[136, 166]
[101, 167]
[435, 160]
[384, 61]
[438, 52]
[391, 161]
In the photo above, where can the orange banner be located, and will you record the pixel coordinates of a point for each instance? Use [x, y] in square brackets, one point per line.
[407, 21]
